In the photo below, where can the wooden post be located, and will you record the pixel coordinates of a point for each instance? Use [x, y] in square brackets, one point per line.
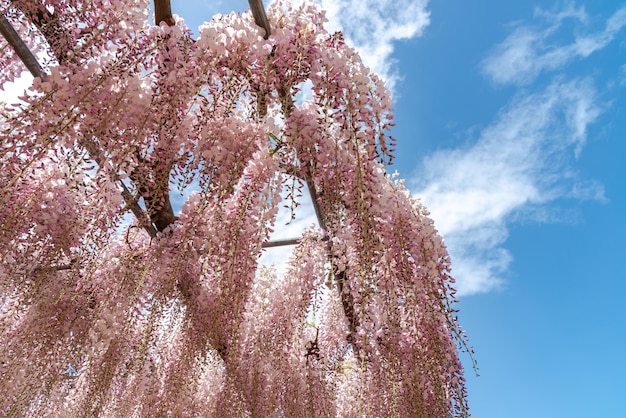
[20, 48]
[163, 12]
[260, 18]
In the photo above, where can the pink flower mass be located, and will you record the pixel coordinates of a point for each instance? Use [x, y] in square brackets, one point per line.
[171, 314]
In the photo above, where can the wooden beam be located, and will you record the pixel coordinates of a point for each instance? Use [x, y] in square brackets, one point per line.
[20, 48]
[260, 18]
[163, 12]
[281, 242]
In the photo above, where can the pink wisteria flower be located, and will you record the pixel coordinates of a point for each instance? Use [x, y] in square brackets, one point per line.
[169, 314]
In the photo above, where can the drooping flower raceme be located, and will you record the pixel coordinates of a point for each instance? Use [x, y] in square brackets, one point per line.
[171, 315]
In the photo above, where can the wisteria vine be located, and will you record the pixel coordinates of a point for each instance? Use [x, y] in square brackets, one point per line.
[171, 314]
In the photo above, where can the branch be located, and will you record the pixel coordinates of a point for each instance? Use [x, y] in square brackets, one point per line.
[280, 243]
[50, 27]
[260, 18]
[139, 213]
[294, 171]
[131, 202]
[159, 207]
[285, 242]
[318, 211]
[20, 48]
[160, 213]
[29, 60]
[347, 302]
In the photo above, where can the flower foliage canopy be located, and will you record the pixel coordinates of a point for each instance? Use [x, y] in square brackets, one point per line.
[171, 315]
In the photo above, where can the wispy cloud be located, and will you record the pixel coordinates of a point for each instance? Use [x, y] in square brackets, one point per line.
[517, 163]
[530, 50]
[622, 81]
[372, 27]
[11, 91]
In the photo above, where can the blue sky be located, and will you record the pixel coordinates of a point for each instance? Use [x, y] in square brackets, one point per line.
[511, 125]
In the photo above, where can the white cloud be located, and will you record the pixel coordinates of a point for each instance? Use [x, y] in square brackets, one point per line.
[372, 26]
[529, 51]
[622, 69]
[568, 12]
[519, 162]
[11, 91]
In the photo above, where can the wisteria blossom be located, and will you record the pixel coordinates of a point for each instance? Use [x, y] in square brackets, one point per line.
[170, 314]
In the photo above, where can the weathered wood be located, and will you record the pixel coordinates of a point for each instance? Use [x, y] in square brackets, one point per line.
[49, 25]
[163, 12]
[281, 242]
[32, 64]
[131, 202]
[20, 48]
[260, 17]
[157, 199]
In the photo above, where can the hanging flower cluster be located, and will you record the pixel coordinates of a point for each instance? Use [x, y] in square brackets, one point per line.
[171, 315]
